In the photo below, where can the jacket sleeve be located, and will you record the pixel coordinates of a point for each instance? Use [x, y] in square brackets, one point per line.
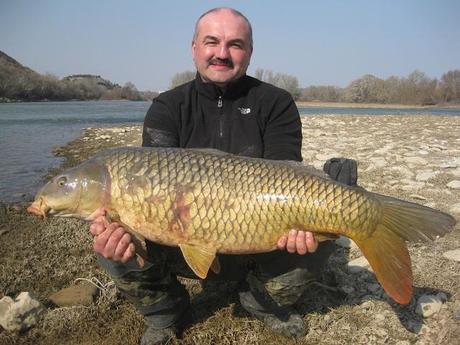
[283, 130]
[159, 128]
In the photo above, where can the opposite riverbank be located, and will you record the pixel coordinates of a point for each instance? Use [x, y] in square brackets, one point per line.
[416, 158]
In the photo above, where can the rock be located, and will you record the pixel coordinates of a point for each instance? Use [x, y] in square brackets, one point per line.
[452, 255]
[456, 313]
[425, 175]
[402, 342]
[4, 230]
[358, 265]
[416, 160]
[428, 305]
[455, 172]
[455, 184]
[378, 162]
[418, 197]
[455, 208]
[21, 313]
[81, 294]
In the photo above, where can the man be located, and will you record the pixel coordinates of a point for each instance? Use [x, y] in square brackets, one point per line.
[225, 109]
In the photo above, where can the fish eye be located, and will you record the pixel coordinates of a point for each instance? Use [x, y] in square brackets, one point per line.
[61, 181]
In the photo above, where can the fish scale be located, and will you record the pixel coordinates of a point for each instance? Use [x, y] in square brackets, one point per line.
[209, 202]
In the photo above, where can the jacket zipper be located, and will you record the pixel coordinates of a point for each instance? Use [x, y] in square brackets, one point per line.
[221, 121]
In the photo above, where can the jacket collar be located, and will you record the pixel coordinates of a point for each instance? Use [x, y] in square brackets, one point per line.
[233, 90]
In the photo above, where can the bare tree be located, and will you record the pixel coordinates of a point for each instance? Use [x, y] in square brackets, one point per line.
[181, 78]
[283, 81]
[449, 86]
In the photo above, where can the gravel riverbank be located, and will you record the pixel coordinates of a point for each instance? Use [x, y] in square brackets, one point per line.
[416, 158]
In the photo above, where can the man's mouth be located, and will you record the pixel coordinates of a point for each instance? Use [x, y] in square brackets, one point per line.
[221, 64]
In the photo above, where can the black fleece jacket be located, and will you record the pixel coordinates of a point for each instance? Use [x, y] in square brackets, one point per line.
[249, 118]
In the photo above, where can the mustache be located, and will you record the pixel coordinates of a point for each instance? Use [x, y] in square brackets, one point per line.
[217, 61]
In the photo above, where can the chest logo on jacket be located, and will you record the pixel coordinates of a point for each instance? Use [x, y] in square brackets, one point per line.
[244, 111]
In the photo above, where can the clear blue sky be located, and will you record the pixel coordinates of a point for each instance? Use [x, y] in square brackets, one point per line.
[320, 42]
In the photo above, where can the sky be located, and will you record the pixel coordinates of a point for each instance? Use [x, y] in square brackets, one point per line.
[319, 42]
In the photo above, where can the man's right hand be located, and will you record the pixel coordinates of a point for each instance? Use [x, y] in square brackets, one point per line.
[111, 240]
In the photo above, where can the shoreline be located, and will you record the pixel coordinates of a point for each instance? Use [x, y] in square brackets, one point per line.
[318, 104]
[313, 104]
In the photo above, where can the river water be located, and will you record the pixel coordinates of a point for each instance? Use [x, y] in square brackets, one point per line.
[30, 131]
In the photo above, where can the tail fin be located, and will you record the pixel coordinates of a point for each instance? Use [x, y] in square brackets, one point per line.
[386, 250]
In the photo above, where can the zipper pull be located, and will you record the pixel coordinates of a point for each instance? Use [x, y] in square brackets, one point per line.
[219, 102]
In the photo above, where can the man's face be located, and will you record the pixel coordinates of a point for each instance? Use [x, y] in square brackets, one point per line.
[222, 48]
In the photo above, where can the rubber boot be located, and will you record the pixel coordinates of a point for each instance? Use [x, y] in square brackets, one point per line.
[155, 334]
[281, 320]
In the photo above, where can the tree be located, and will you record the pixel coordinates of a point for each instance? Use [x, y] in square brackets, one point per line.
[181, 78]
[283, 81]
[449, 86]
[367, 89]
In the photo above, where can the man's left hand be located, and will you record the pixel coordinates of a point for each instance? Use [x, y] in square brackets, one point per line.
[300, 242]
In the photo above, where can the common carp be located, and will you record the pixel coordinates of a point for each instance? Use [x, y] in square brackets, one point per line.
[208, 202]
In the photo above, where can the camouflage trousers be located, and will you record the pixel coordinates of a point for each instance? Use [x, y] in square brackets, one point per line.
[276, 278]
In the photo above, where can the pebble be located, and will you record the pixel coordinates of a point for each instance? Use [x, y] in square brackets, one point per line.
[21, 313]
[457, 315]
[455, 208]
[428, 305]
[416, 160]
[418, 197]
[455, 184]
[81, 294]
[358, 265]
[425, 175]
[453, 255]
[402, 342]
[3, 230]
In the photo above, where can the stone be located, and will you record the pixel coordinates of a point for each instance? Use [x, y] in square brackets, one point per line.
[418, 197]
[416, 160]
[428, 305]
[453, 255]
[402, 342]
[425, 175]
[455, 208]
[21, 313]
[4, 230]
[378, 162]
[455, 184]
[80, 294]
[455, 172]
[358, 265]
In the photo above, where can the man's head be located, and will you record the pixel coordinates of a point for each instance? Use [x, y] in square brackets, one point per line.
[222, 45]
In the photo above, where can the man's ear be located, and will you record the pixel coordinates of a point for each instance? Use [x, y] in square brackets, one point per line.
[193, 49]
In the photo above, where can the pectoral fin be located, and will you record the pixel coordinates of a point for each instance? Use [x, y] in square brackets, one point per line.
[321, 237]
[199, 258]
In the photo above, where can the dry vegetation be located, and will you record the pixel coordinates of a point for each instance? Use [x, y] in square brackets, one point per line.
[45, 256]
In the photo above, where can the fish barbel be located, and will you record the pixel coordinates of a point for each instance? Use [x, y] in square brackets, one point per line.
[208, 202]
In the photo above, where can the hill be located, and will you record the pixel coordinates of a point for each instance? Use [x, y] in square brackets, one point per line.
[20, 83]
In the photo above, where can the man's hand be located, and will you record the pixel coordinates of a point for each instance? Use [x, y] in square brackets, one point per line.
[300, 242]
[111, 240]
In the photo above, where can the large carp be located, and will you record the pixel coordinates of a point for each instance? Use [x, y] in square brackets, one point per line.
[208, 202]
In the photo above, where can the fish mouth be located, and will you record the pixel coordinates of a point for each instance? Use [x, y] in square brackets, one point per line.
[39, 208]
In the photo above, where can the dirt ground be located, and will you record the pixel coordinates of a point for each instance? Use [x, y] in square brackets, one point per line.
[413, 158]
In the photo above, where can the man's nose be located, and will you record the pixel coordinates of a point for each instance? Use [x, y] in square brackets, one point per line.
[223, 52]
